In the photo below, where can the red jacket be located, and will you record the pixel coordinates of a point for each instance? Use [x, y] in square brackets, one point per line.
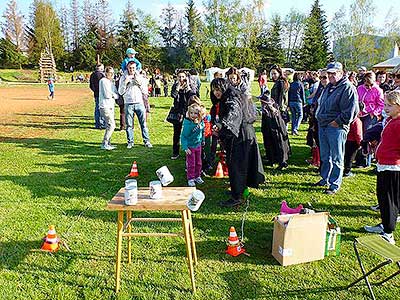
[355, 133]
[388, 151]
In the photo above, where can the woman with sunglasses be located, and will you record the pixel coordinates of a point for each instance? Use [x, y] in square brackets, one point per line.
[396, 78]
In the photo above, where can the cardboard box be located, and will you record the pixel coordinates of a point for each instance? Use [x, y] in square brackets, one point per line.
[333, 237]
[299, 238]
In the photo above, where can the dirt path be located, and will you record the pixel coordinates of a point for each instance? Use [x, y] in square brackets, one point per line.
[27, 104]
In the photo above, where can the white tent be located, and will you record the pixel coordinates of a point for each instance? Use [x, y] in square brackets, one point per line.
[211, 71]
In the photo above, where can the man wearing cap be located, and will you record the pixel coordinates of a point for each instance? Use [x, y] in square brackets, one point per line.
[338, 107]
[131, 87]
[130, 56]
[94, 86]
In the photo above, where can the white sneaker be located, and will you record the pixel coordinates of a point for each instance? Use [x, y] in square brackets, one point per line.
[198, 180]
[148, 145]
[374, 229]
[106, 147]
[112, 147]
[398, 219]
[388, 237]
[375, 207]
[129, 146]
[191, 182]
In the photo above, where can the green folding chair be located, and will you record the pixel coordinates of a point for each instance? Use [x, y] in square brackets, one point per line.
[379, 246]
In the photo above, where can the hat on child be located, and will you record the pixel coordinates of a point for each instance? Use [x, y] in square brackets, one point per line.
[130, 51]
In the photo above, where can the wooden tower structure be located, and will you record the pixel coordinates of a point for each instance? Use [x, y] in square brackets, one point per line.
[47, 66]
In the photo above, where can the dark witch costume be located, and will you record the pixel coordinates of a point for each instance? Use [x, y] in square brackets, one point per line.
[276, 139]
[236, 132]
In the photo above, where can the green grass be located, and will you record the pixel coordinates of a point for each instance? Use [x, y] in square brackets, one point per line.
[57, 174]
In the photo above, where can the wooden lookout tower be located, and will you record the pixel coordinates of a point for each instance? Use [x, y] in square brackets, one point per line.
[47, 65]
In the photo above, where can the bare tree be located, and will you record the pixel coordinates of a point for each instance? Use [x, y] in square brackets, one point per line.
[13, 26]
[74, 22]
[293, 25]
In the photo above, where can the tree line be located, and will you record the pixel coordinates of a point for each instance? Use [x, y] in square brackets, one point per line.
[226, 33]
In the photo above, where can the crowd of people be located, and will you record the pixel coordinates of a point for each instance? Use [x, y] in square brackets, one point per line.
[351, 117]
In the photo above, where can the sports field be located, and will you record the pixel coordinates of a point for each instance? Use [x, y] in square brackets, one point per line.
[52, 171]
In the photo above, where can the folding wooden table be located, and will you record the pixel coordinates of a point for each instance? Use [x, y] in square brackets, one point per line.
[174, 199]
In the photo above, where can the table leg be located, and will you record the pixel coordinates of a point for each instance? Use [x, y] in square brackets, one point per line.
[129, 216]
[192, 241]
[120, 224]
[185, 223]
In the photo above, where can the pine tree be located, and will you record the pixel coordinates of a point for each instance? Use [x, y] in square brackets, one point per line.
[194, 36]
[315, 52]
[128, 32]
[270, 45]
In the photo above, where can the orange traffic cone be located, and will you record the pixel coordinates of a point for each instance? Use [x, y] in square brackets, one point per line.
[51, 240]
[134, 170]
[234, 246]
[219, 172]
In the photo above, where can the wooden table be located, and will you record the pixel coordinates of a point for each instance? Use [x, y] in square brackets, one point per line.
[174, 198]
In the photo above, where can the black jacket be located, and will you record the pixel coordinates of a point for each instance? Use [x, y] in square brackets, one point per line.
[94, 82]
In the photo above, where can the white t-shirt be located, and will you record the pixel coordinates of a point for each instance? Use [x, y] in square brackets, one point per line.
[133, 90]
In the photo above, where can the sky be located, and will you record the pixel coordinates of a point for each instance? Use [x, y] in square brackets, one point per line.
[281, 7]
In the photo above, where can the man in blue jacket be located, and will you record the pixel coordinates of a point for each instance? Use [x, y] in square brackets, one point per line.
[338, 106]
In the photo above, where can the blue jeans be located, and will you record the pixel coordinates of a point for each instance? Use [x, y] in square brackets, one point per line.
[296, 110]
[331, 146]
[98, 119]
[140, 110]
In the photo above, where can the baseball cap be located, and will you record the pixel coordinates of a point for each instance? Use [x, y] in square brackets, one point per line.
[130, 51]
[334, 67]
[362, 68]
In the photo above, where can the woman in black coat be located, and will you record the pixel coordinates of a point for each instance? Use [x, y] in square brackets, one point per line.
[236, 132]
[182, 93]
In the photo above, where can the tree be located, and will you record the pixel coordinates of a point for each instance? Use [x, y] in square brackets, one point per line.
[10, 56]
[270, 45]
[222, 19]
[13, 26]
[293, 30]
[74, 23]
[168, 31]
[128, 32]
[45, 32]
[195, 37]
[315, 50]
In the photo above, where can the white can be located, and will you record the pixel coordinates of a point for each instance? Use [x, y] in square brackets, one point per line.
[164, 175]
[155, 189]
[130, 183]
[131, 193]
[195, 200]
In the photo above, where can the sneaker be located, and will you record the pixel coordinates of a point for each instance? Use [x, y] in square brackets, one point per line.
[374, 229]
[320, 183]
[376, 208]
[349, 174]
[398, 219]
[175, 156]
[106, 147]
[191, 182]
[130, 145]
[330, 192]
[388, 237]
[230, 203]
[112, 147]
[198, 180]
[148, 145]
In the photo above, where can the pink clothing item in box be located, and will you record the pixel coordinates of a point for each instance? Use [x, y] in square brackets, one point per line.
[372, 99]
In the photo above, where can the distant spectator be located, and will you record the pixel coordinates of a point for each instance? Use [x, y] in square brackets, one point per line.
[296, 101]
[263, 82]
[381, 80]
[360, 76]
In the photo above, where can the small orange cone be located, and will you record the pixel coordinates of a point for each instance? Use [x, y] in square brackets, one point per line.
[234, 246]
[219, 172]
[51, 240]
[134, 170]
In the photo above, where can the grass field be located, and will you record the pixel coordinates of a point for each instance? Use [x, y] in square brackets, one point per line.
[52, 171]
